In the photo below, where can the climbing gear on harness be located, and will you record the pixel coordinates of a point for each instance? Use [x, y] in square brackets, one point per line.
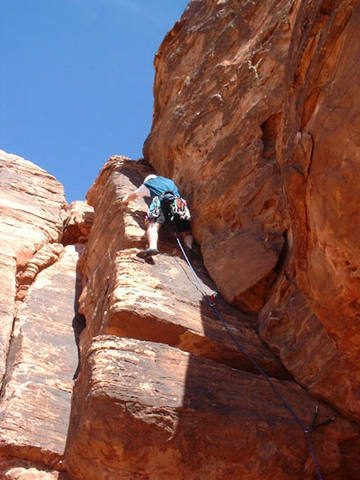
[172, 205]
[180, 209]
[154, 209]
[149, 252]
[211, 301]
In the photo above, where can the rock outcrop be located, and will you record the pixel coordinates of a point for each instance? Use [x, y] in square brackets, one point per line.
[113, 367]
[320, 161]
[32, 212]
[146, 410]
[259, 100]
[39, 290]
[161, 302]
[220, 78]
[162, 379]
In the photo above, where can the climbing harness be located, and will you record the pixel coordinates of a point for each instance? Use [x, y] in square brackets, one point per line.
[211, 301]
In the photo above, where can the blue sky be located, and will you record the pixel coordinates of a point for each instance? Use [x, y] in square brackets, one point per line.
[76, 80]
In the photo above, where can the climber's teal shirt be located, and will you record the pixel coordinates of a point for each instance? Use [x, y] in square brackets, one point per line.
[159, 185]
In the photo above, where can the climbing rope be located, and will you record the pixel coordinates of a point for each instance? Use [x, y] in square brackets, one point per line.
[211, 301]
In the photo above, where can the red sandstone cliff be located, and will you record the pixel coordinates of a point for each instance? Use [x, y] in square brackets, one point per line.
[255, 117]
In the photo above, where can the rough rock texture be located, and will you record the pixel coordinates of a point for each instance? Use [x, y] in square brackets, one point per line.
[23, 470]
[220, 74]
[144, 410]
[39, 289]
[145, 402]
[32, 207]
[42, 361]
[159, 301]
[321, 166]
[256, 117]
[78, 224]
[43, 258]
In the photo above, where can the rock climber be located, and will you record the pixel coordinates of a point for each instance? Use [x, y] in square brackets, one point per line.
[166, 205]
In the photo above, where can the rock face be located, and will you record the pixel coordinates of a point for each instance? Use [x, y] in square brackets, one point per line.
[259, 100]
[142, 408]
[160, 377]
[220, 74]
[41, 365]
[256, 119]
[78, 224]
[159, 302]
[32, 211]
[320, 164]
[40, 283]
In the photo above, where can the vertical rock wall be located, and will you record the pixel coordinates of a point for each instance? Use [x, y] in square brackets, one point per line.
[319, 157]
[163, 391]
[256, 118]
[40, 284]
[220, 78]
[32, 210]
[261, 102]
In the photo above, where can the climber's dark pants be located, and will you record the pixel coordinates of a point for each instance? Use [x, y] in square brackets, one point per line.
[163, 218]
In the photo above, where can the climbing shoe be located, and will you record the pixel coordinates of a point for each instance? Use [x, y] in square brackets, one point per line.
[149, 252]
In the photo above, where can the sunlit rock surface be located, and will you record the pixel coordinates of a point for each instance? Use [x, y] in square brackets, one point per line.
[40, 283]
[220, 77]
[256, 119]
[261, 102]
[160, 300]
[320, 160]
[32, 209]
[156, 375]
[78, 224]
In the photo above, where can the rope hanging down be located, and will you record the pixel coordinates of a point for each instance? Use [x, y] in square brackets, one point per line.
[211, 302]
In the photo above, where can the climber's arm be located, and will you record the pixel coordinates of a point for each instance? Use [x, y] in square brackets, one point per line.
[142, 191]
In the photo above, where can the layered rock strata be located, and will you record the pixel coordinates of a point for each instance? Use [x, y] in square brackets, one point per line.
[162, 302]
[255, 118]
[147, 410]
[32, 210]
[35, 403]
[161, 379]
[39, 290]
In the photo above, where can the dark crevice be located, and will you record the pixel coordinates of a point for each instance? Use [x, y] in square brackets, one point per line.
[279, 267]
[14, 346]
[15, 341]
[79, 321]
[270, 130]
